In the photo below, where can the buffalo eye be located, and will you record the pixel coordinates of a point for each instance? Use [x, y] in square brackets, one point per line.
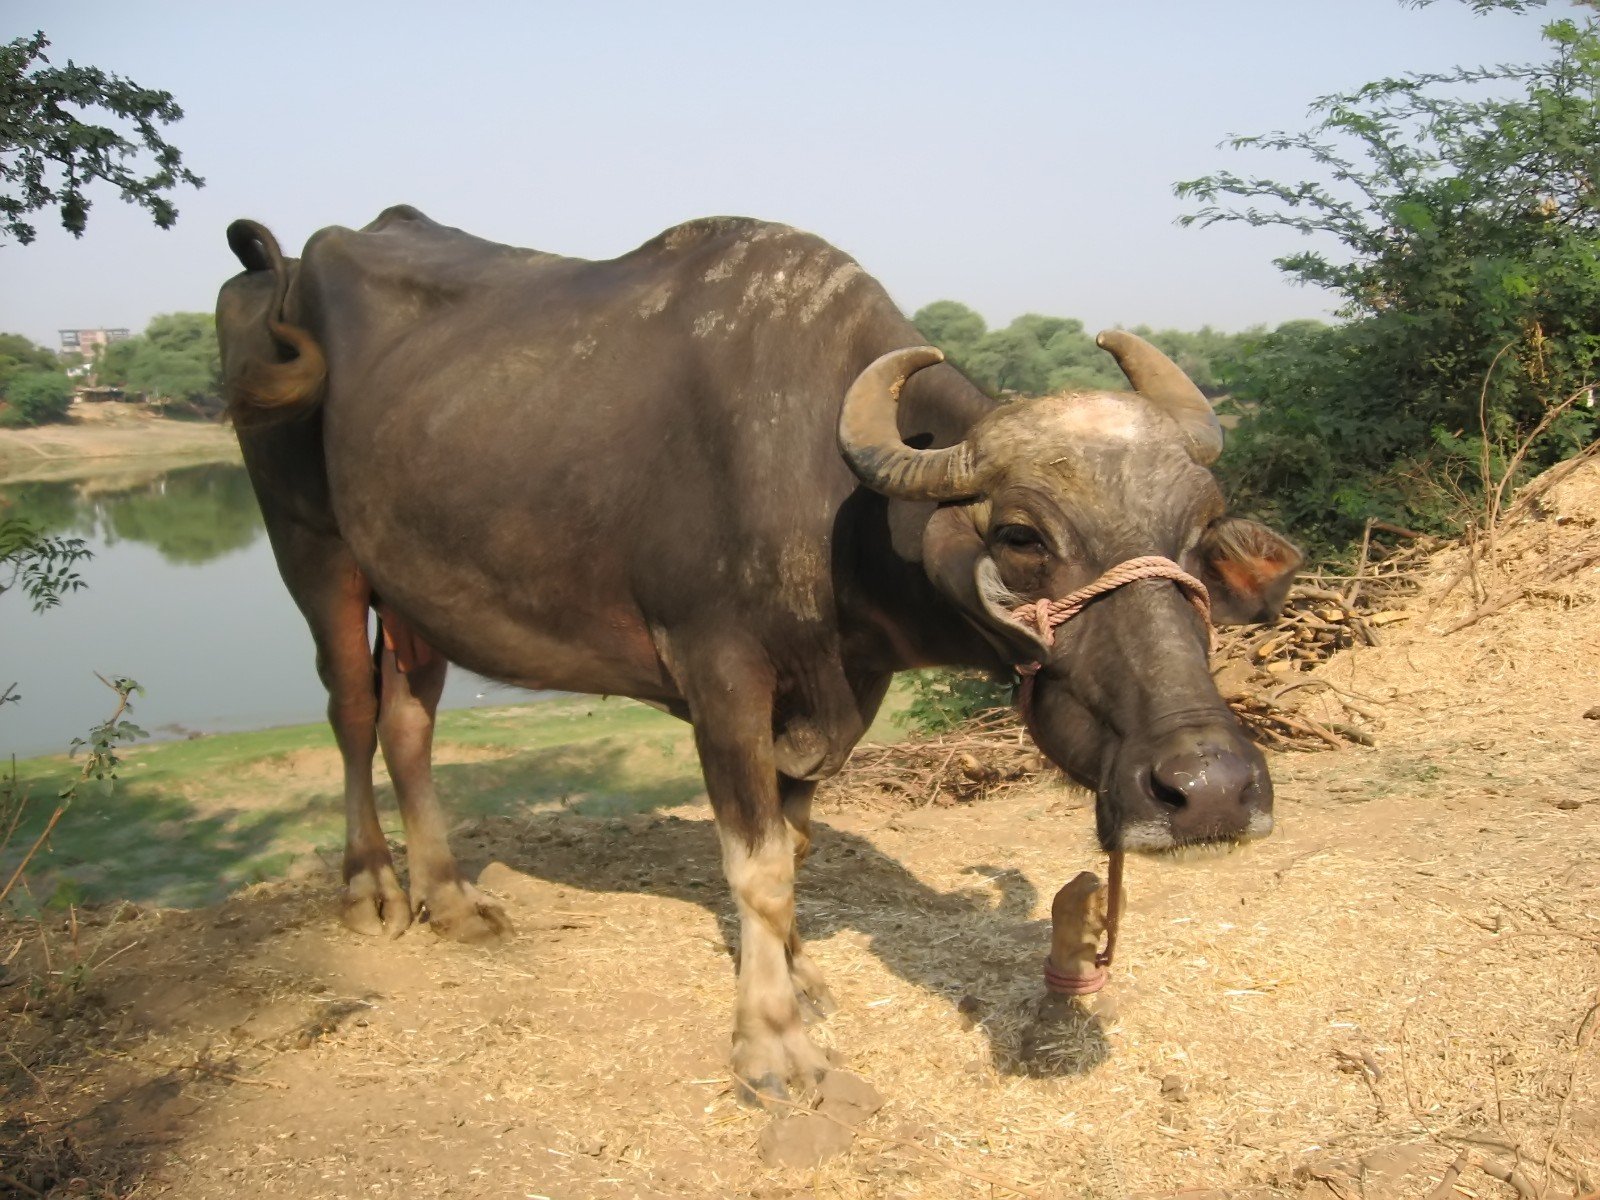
[1020, 537]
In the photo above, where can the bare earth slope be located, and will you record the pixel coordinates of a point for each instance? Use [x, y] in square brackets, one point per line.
[107, 437]
[1406, 971]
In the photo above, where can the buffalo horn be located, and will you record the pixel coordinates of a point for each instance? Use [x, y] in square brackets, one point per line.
[1158, 380]
[869, 436]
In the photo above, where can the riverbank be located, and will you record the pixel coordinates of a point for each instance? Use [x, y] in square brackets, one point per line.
[110, 439]
[188, 822]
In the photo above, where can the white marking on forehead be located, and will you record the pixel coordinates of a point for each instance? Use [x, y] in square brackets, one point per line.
[1070, 421]
[1102, 415]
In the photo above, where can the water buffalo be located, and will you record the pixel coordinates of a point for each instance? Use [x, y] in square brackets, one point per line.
[634, 477]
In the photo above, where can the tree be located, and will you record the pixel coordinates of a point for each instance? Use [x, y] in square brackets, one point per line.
[951, 326]
[49, 153]
[1465, 208]
[33, 385]
[1010, 360]
[113, 362]
[174, 360]
[1039, 355]
[18, 353]
[1077, 364]
[1205, 355]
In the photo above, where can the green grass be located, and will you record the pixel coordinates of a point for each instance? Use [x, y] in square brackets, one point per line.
[188, 822]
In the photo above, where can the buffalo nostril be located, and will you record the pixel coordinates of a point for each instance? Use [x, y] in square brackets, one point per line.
[1200, 779]
[1167, 789]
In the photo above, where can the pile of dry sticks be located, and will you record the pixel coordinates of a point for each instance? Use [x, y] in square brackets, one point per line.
[1263, 673]
[979, 757]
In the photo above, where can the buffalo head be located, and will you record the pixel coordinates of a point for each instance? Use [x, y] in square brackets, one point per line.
[1041, 499]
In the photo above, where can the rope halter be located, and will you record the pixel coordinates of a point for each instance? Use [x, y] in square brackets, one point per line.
[1046, 616]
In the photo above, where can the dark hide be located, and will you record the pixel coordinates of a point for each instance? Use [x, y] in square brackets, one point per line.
[623, 477]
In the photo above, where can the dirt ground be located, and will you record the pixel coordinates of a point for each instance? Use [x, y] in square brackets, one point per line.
[105, 437]
[1405, 976]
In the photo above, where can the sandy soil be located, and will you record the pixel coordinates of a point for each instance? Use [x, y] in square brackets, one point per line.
[1404, 976]
[106, 437]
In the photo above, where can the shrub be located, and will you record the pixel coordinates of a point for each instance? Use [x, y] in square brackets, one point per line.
[38, 397]
[942, 699]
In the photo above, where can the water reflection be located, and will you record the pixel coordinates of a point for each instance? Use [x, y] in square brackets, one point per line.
[183, 595]
[190, 516]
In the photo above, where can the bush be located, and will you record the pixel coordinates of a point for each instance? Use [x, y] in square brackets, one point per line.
[37, 397]
[1323, 437]
[942, 699]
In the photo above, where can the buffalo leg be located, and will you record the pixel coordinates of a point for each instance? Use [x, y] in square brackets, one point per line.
[333, 596]
[412, 684]
[731, 703]
[803, 974]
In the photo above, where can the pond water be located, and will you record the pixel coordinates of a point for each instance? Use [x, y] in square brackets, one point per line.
[182, 595]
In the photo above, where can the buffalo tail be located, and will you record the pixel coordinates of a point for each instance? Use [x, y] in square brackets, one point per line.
[293, 379]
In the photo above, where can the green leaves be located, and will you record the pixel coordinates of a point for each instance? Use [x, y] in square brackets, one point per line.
[100, 758]
[1415, 216]
[49, 153]
[32, 384]
[951, 326]
[43, 567]
[945, 698]
[34, 397]
[1464, 210]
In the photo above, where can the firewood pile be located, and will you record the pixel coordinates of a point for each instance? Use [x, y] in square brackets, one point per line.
[1263, 672]
[989, 753]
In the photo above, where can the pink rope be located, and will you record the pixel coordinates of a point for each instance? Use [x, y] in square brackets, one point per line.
[1047, 615]
[1073, 985]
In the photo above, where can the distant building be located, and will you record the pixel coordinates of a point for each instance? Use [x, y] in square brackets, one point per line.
[87, 341]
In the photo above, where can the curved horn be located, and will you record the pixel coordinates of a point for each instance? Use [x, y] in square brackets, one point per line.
[1159, 380]
[870, 439]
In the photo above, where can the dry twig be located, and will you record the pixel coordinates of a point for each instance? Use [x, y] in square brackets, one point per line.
[1447, 1184]
[1509, 597]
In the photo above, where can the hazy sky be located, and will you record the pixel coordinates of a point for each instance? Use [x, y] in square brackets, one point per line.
[1016, 156]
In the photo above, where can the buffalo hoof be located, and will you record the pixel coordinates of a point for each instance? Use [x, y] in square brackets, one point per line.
[461, 914]
[766, 1068]
[375, 904]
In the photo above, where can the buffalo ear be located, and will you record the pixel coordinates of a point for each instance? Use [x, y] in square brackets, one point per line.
[958, 564]
[1247, 568]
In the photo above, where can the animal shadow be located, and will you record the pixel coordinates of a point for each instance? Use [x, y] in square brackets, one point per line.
[974, 947]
